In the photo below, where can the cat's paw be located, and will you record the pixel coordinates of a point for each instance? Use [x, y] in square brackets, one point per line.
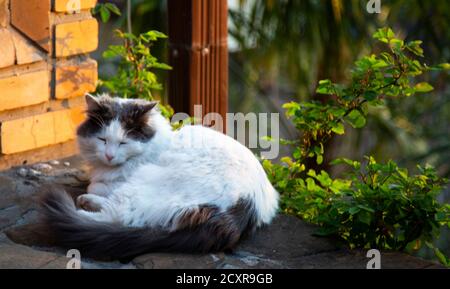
[99, 189]
[87, 204]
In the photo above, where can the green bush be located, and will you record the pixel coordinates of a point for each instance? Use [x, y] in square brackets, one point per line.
[377, 205]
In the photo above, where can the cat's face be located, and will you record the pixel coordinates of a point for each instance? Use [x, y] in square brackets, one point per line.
[115, 130]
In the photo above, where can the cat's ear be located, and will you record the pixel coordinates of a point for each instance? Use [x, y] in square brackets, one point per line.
[149, 106]
[92, 102]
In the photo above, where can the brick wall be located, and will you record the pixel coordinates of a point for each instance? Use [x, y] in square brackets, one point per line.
[44, 73]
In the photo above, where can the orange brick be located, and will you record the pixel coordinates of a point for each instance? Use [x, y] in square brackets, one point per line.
[76, 37]
[72, 5]
[74, 78]
[4, 13]
[40, 130]
[25, 50]
[25, 89]
[7, 55]
[32, 17]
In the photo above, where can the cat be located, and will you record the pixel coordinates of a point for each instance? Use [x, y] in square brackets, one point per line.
[155, 189]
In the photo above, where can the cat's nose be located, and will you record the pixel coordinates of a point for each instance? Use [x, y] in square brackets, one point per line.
[109, 157]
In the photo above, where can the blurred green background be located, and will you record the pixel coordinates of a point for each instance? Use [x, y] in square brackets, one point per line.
[280, 49]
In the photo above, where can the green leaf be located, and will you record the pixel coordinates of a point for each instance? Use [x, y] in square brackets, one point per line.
[356, 119]
[365, 217]
[311, 185]
[370, 95]
[423, 87]
[414, 47]
[162, 66]
[444, 66]
[319, 159]
[403, 173]
[325, 87]
[113, 8]
[366, 208]
[379, 64]
[104, 14]
[384, 34]
[338, 128]
[291, 105]
[109, 54]
[343, 161]
[441, 257]
[354, 210]
[396, 44]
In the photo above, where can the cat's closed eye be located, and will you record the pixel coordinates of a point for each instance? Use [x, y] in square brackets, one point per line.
[123, 143]
[102, 139]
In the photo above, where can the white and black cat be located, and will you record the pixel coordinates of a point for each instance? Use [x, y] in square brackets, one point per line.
[157, 190]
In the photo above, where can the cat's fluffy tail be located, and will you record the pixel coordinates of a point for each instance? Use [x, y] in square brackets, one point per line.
[199, 231]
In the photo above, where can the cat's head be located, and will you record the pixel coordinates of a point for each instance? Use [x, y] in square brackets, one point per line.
[115, 129]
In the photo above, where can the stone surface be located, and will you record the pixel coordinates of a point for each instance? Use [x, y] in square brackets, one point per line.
[287, 243]
[61, 150]
[23, 257]
[178, 261]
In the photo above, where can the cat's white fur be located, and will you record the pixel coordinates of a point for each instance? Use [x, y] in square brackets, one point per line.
[154, 183]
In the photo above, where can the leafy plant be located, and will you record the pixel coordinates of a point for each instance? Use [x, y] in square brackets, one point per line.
[378, 205]
[105, 10]
[134, 77]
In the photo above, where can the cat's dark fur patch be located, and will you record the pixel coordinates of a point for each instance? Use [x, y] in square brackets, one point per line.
[132, 115]
[99, 115]
[212, 230]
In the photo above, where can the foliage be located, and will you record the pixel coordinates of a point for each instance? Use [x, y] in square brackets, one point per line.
[105, 10]
[379, 205]
[134, 77]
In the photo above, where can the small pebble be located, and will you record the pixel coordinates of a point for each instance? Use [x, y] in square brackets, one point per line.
[54, 163]
[215, 258]
[45, 168]
[67, 164]
[23, 172]
[34, 172]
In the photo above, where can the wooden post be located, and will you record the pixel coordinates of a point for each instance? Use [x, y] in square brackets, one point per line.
[199, 55]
